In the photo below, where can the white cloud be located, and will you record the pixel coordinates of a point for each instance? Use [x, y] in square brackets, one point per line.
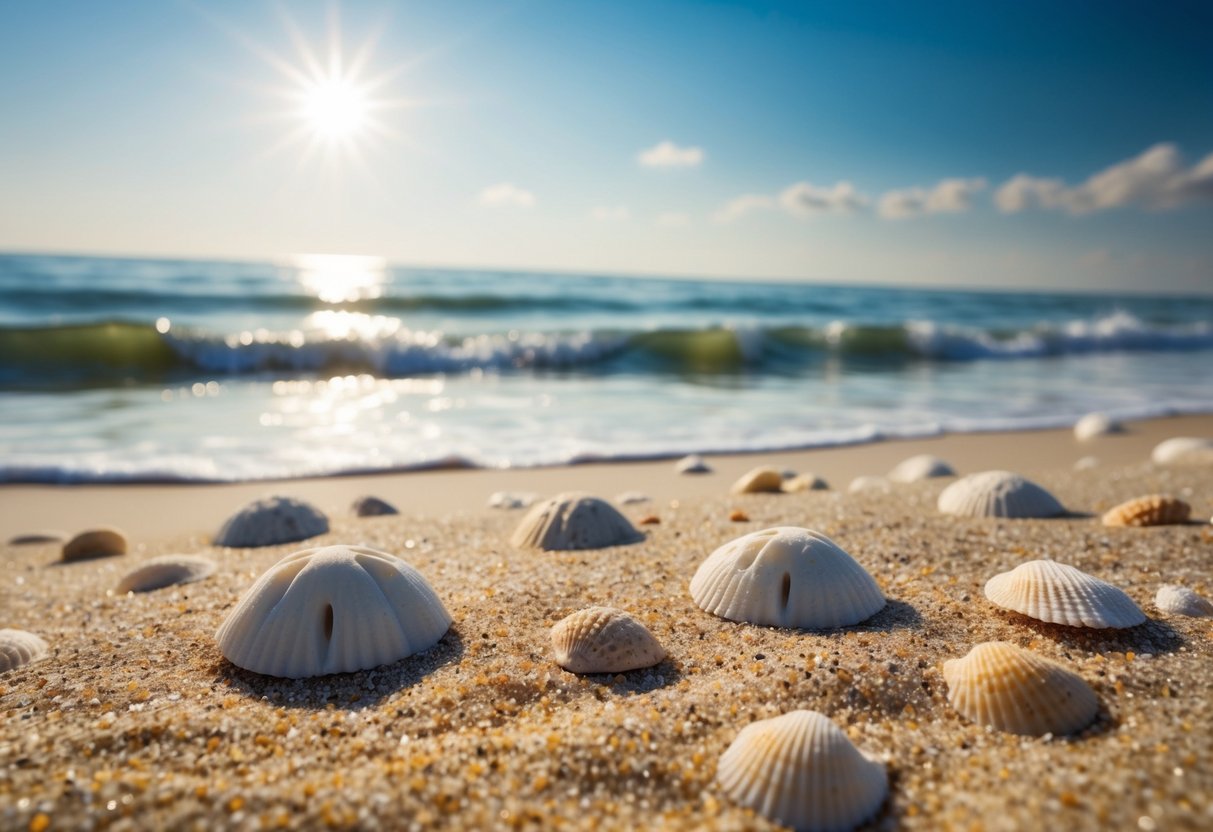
[803, 199]
[948, 196]
[673, 219]
[505, 193]
[611, 213]
[666, 154]
[1155, 180]
[742, 205]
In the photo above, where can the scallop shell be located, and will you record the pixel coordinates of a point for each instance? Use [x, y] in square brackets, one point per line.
[19, 648]
[33, 538]
[805, 482]
[868, 482]
[271, 521]
[574, 521]
[166, 570]
[760, 480]
[998, 494]
[1094, 425]
[1060, 594]
[95, 543]
[1183, 450]
[800, 770]
[1179, 600]
[1151, 510]
[335, 609]
[693, 464]
[1017, 691]
[604, 640]
[368, 506]
[921, 467]
[786, 577]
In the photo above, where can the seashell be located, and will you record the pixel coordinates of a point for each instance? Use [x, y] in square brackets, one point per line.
[800, 770]
[1179, 600]
[574, 521]
[759, 481]
[1184, 450]
[369, 506]
[32, 538]
[629, 498]
[19, 648]
[805, 482]
[738, 516]
[271, 521]
[511, 500]
[998, 494]
[693, 464]
[1151, 510]
[101, 542]
[166, 570]
[1060, 594]
[867, 483]
[1017, 691]
[334, 609]
[786, 577]
[1086, 463]
[921, 467]
[604, 640]
[1094, 425]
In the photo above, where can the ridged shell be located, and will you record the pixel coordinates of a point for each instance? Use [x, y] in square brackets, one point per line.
[336, 609]
[1183, 450]
[693, 464]
[1151, 510]
[921, 467]
[1094, 425]
[19, 648]
[868, 482]
[574, 521]
[1060, 594]
[1179, 600]
[166, 570]
[369, 506]
[805, 482]
[604, 640]
[1017, 691]
[786, 577]
[95, 543]
[33, 538]
[759, 481]
[271, 521]
[800, 770]
[998, 494]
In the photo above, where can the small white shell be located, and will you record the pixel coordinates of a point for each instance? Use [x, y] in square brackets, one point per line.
[1060, 594]
[166, 570]
[800, 770]
[786, 577]
[868, 482]
[369, 506]
[1179, 600]
[805, 482]
[629, 498]
[1017, 691]
[1183, 450]
[998, 494]
[761, 480]
[510, 500]
[336, 609]
[574, 521]
[1086, 463]
[921, 467]
[604, 640]
[1094, 425]
[19, 648]
[693, 464]
[271, 521]
[101, 542]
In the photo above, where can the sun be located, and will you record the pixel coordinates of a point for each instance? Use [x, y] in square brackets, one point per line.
[335, 109]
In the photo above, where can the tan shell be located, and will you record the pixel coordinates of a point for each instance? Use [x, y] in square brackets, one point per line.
[19, 648]
[95, 543]
[805, 482]
[1017, 691]
[166, 570]
[574, 521]
[759, 481]
[604, 640]
[998, 494]
[1151, 510]
[271, 521]
[1060, 594]
[1180, 600]
[800, 770]
[369, 506]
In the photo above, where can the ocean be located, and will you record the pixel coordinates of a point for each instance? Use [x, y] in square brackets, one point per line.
[187, 370]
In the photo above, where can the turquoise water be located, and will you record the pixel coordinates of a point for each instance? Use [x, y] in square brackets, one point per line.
[117, 369]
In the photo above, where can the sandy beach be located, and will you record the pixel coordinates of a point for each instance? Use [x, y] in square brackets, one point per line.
[135, 721]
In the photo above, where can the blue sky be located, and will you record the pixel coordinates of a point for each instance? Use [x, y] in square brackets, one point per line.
[1001, 144]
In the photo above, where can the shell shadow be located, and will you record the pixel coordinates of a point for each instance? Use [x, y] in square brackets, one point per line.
[349, 691]
[1153, 636]
[894, 615]
[643, 680]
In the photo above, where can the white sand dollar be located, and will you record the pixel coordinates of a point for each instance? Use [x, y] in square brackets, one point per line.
[272, 521]
[19, 648]
[335, 609]
[692, 464]
[574, 521]
[1180, 600]
[1017, 691]
[998, 494]
[761, 480]
[921, 467]
[1061, 594]
[1183, 450]
[800, 770]
[1094, 425]
[805, 482]
[166, 570]
[786, 577]
[604, 640]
